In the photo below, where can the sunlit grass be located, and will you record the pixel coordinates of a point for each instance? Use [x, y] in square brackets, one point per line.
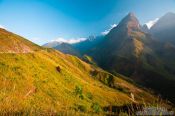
[31, 84]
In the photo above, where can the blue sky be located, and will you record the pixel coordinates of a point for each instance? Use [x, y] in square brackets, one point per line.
[44, 20]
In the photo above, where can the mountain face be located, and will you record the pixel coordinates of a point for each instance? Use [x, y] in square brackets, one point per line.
[52, 44]
[124, 41]
[90, 43]
[66, 84]
[163, 30]
[129, 51]
[145, 28]
[63, 47]
[67, 49]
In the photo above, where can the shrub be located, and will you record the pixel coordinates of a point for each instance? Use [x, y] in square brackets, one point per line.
[96, 107]
[79, 91]
[109, 80]
[89, 95]
[82, 108]
[81, 96]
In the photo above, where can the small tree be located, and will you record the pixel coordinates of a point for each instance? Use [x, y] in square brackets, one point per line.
[79, 91]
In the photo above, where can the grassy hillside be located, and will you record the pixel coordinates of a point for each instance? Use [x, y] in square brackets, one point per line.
[12, 43]
[31, 83]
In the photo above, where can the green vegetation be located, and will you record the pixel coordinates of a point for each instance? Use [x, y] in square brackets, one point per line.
[79, 91]
[89, 60]
[82, 108]
[27, 80]
[89, 96]
[96, 107]
[31, 83]
[104, 77]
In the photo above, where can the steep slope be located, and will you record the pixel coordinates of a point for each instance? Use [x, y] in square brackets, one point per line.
[13, 43]
[48, 82]
[164, 29]
[131, 52]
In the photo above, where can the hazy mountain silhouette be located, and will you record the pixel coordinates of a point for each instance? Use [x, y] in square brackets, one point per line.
[164, 29]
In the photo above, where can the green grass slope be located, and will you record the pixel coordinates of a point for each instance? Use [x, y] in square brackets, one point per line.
[47, 82]
[30, 83]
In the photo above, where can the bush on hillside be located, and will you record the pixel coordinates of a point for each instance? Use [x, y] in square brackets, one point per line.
[79, 91]
[96, 107]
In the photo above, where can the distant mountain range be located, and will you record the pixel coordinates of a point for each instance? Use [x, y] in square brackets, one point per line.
[78, 48]
[63, 47]
[145, 54]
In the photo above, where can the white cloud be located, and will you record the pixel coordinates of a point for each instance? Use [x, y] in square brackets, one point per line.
[105, 32]
[151, 23]
[114, 25]
[39, 41]
[70, 41]
[108, 30]
[2, 27]
[35, 39]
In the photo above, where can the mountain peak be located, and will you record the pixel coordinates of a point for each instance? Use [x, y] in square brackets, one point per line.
[166, 21]
[126, 26]
[145, 28]
[129, 23]
[164, 28]
[170, 14]
[131, 14]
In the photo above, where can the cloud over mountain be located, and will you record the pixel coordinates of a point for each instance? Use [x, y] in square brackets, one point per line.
[2, 27]
[151, 23]
[108, 30]
[70, 41]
